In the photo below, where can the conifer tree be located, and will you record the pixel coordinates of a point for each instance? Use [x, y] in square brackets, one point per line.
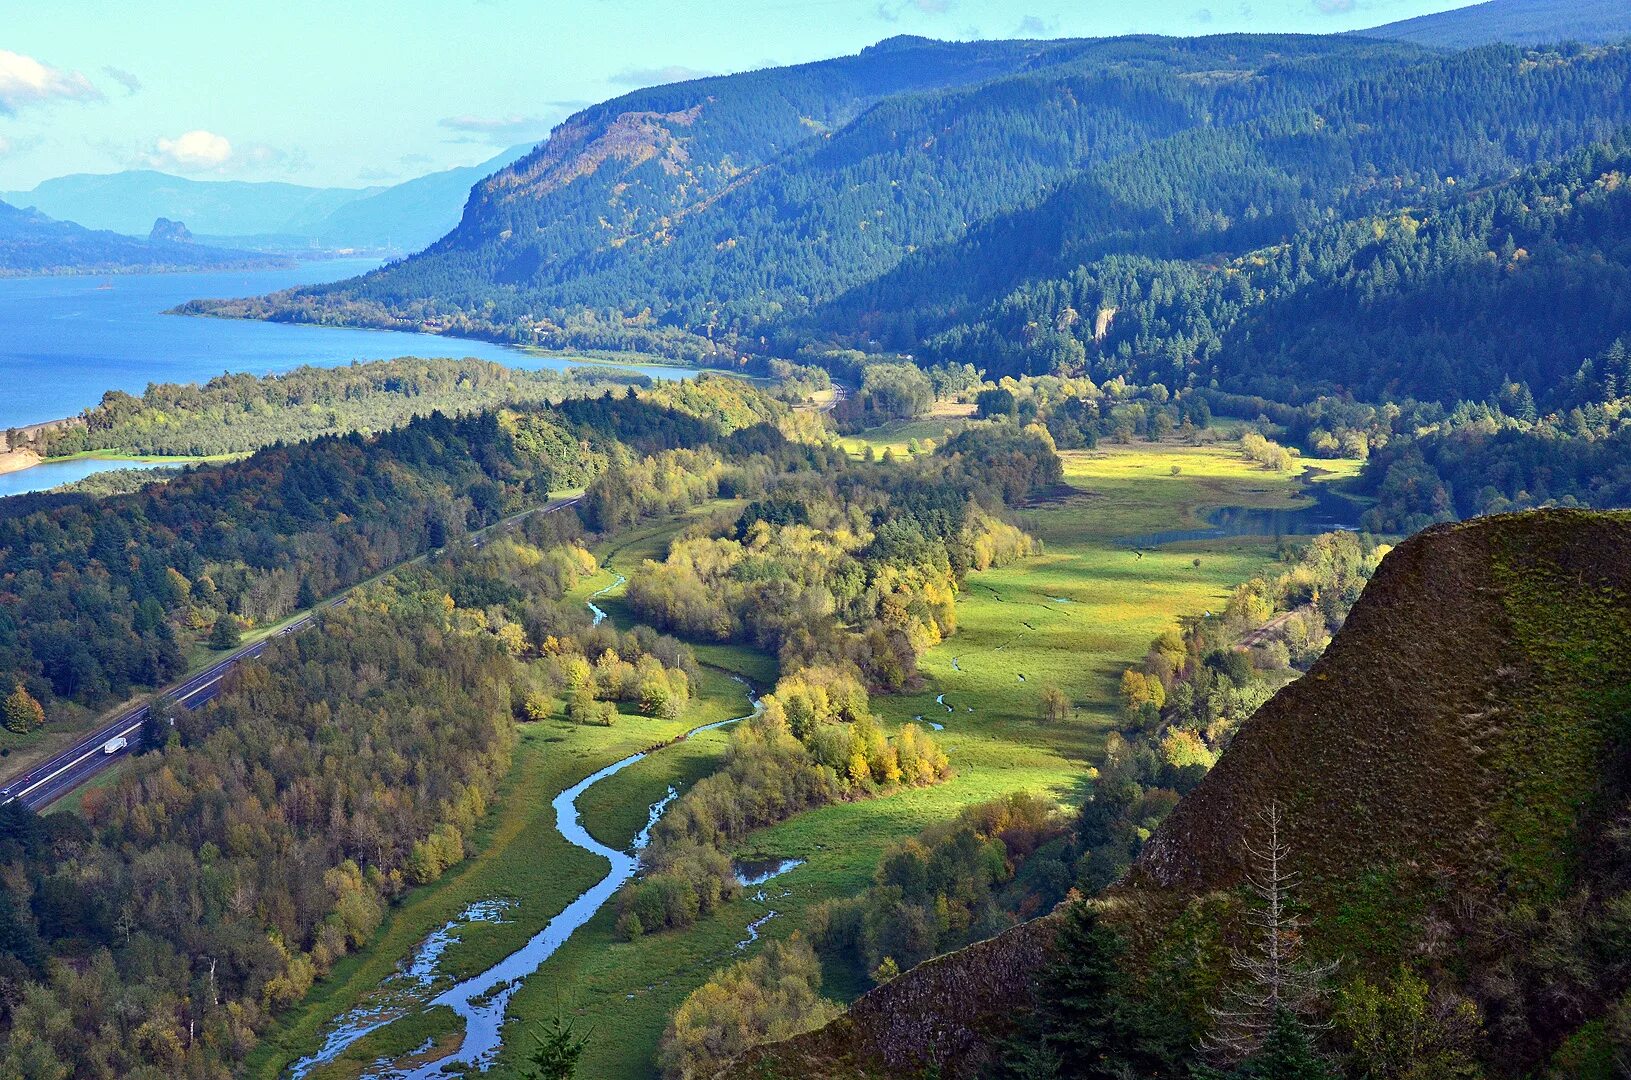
[1086, 1024]
[1276, 986]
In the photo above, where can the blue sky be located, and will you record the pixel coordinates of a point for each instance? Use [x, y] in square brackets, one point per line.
[357, 92]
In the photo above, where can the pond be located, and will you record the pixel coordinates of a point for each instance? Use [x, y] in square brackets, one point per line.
[1329, 511]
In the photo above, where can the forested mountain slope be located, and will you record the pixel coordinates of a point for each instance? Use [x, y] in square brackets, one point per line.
[1374, 146]
[714, 207]
[1452, 782]
[1448, 300]
[1027, 207]
[1519, 22]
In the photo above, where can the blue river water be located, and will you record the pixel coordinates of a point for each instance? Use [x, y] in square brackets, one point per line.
[56, 473]
[64, 341]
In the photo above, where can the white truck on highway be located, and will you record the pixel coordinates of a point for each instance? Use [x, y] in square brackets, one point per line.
[115, 744]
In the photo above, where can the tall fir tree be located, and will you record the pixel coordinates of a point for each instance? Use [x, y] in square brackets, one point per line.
[1085, 1024]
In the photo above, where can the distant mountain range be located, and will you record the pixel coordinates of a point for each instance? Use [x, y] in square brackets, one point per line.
[401, 217]
[1517, 22]
[31, 243]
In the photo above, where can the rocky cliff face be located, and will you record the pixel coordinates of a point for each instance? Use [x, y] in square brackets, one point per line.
[166, 231]
[1453, 774]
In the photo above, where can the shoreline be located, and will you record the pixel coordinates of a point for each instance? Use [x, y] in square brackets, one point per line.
[17, 460]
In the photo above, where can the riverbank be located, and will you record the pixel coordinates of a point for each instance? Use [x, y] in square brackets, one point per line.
[45, 474]
[17, 460]
[1011, 623]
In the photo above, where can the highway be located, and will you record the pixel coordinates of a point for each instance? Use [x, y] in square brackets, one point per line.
[51, 780]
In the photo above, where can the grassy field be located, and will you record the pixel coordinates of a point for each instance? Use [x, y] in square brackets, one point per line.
[1073, 616]
[945, 420]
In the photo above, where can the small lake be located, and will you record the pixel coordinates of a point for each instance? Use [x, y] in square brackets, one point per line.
[66, 340]
[55, 473]
[1329, 512]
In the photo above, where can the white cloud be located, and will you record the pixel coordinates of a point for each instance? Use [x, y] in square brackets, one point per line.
[26, 81]
[892, 10]
[124, 78]
[201, 151]
[194, 151]
[1035, 26]
[1335, 7]
[658, 76]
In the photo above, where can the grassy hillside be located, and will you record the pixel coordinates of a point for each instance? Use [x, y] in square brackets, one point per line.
[1453, 775]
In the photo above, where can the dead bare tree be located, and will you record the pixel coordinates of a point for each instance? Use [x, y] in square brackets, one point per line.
[1272, 974]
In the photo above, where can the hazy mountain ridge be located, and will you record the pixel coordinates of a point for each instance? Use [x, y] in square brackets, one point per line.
[402, 217]
[31, 243]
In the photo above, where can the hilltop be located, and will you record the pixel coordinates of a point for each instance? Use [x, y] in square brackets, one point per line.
[1453, 775]
[1518, 22]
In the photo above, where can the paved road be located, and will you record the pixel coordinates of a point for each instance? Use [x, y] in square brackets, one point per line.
[51, 780]
[839, 393]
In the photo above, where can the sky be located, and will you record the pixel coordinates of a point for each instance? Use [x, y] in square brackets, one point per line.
[362, 92]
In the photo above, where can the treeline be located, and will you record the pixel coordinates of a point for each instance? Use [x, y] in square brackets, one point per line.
[1078, 413]
[965, 880]
[812, 742]
[155, 935]
[100, 599]
[1481, 459]
[241, 413]
[853, 565]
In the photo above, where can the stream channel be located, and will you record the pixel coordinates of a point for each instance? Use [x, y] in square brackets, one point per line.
[482, 1000]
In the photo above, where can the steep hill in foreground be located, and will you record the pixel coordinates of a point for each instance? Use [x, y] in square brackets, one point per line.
[1455, 774]
[1515, 22]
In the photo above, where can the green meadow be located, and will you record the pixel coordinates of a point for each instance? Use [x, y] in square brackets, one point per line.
[1073, 616]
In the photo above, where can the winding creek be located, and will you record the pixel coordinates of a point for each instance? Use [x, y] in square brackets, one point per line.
[482, 1000]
